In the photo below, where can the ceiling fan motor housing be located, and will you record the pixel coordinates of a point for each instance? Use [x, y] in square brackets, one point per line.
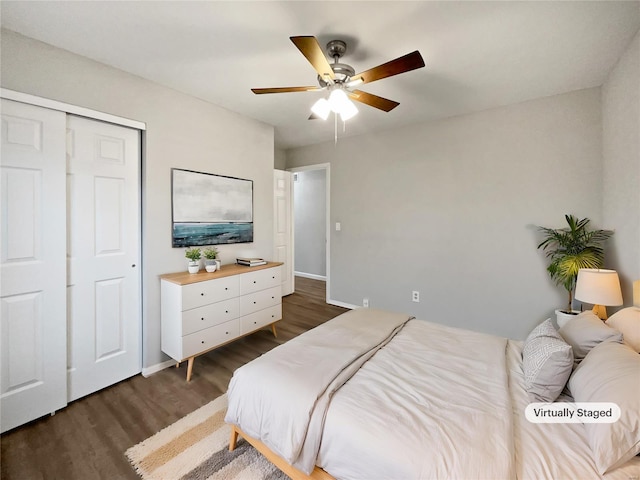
[336, 49]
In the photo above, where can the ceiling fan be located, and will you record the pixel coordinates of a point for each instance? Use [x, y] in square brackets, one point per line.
[340, 78]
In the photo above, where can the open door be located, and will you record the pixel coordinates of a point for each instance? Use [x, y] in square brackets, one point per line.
[282, 228]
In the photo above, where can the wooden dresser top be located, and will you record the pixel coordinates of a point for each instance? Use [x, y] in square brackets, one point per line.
[186, 278]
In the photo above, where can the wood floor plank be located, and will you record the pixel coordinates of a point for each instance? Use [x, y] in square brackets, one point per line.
[88, 438]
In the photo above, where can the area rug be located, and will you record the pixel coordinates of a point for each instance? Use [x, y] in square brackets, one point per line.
[196, 447]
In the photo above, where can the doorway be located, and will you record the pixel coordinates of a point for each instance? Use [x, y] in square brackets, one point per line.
[311, 201]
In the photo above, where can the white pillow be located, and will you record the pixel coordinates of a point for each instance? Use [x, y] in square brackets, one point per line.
[584, 332]
[611, 373]
[627, 321]
[546, 362]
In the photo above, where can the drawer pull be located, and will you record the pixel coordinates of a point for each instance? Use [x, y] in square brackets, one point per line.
[202, 342]
[254, 303]
[255, 323]
[273, 278]
[272, 316]
[226, 311]
[272, 296]
[254, 281]
[202, 294]
[226, 333]
[226, 288]
[202, 318]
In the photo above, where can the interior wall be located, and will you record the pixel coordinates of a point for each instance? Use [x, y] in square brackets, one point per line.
[279, 159]
[449, 209]
[310, 222]
[621, 160]
[182, 132]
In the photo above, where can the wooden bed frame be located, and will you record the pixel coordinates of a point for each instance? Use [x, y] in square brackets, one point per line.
[292, 472]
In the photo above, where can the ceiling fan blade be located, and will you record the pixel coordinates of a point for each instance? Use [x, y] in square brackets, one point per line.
[408, 62]
[312, 51]
[373, 100]
[259, 91]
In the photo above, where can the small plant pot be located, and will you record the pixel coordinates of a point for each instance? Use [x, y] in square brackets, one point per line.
[218, 264]
[210, 265]
[193, 267]
[562, 316]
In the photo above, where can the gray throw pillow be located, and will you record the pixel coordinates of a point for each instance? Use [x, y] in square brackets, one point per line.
[585, 332]
[547, 362]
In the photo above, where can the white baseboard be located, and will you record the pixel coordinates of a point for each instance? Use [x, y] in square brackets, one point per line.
[350, 306]
[310, 275]
[147, 371]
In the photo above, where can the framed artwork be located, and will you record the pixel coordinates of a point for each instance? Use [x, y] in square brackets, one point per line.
[208, 209]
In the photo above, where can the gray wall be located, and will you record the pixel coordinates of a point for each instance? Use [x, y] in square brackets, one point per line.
[182, 131]
[448, 208]
[310, 222]
[621, 154]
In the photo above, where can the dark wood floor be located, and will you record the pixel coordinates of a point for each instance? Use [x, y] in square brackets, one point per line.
[87, 439]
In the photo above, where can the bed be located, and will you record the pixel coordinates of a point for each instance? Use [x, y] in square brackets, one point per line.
[380, 395]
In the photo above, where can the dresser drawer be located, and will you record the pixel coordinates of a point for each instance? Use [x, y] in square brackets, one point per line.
[259, 280]
[259, 319]
[198, 342]
[212, 291]
[259, 300]
[210, 315]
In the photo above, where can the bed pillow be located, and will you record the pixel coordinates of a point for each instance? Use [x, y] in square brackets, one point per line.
[546, 362]
[627, 322]
[585, 332]
[611, 373]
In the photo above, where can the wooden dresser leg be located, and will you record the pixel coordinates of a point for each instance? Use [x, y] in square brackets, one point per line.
[233, 438]
[273, 329]
[190, 368]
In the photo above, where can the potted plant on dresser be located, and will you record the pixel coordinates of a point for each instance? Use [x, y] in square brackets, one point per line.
[193, 254]
[570, 249]
[210, 256]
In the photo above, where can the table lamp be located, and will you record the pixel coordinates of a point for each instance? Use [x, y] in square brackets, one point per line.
[600, 288]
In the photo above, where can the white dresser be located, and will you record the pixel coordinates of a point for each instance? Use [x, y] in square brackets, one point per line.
[203, 311]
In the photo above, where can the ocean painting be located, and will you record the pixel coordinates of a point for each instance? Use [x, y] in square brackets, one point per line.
[192, 234]
[210, 209]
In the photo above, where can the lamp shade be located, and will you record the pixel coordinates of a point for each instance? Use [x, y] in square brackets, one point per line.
[598, 287]
[636, 293]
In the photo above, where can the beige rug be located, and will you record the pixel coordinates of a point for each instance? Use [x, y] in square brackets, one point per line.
[197, 447]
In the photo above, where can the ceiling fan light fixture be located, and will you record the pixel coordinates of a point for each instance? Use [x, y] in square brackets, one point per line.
[321, 108]
[348, 111]
[338, 100]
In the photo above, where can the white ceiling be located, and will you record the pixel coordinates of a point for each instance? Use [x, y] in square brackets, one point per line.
[478, 54]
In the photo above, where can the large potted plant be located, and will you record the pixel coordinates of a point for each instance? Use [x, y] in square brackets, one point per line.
[569, 249]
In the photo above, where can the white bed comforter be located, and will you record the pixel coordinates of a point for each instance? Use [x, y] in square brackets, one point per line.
[281, 398]
[430, 405]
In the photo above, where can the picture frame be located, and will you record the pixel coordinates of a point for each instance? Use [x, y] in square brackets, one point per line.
[210, 209]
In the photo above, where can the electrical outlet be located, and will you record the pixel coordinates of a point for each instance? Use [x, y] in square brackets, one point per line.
[415, 296]
[365, 302]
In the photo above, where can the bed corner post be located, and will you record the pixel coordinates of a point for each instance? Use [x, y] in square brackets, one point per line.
[233, 438]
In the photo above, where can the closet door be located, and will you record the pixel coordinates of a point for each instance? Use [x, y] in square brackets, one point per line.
[103, 185]
[32, 266]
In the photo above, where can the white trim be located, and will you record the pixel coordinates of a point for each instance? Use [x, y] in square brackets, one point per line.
[350, 306]
[147, 371]
[310, 275]
[327, 168]
[73, 109]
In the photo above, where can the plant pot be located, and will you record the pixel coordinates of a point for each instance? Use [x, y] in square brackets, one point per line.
[193, 267]
[562, 316]
[210, 265]
[218, 264]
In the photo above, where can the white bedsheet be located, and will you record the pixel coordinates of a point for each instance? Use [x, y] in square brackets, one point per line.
[429, 405]
[281, 397]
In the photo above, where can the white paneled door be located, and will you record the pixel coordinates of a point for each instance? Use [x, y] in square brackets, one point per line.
[283, 230]
[32, 266]
[103, 254]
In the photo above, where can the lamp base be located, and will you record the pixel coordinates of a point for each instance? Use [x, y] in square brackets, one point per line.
[600, 311]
